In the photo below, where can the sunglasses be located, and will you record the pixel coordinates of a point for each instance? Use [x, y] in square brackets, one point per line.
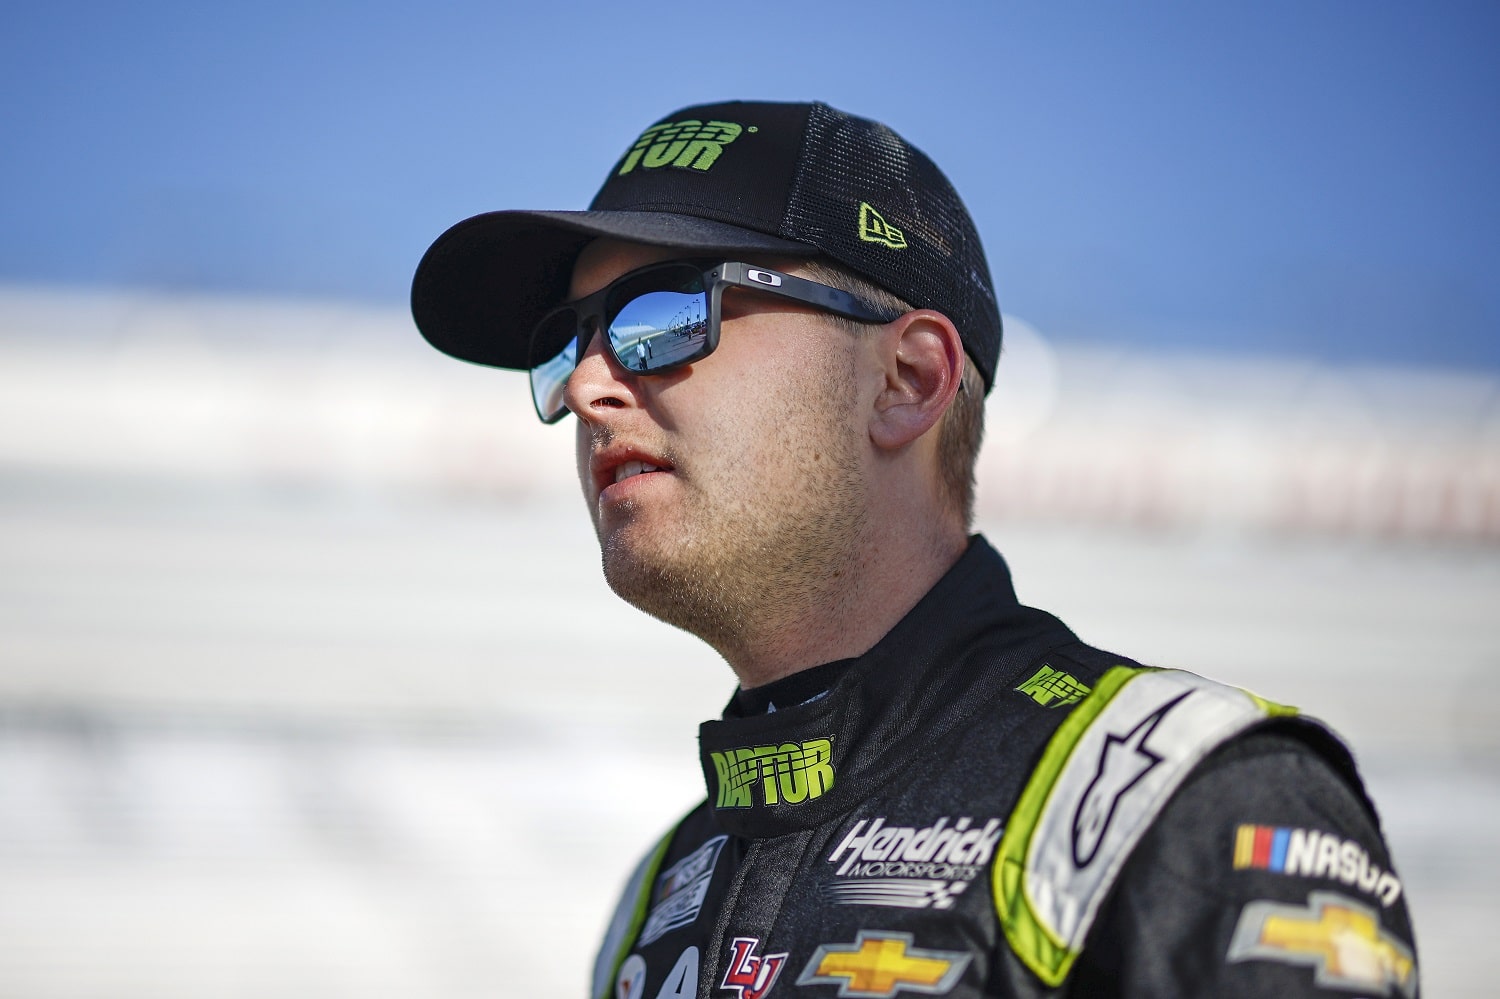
[659, 318]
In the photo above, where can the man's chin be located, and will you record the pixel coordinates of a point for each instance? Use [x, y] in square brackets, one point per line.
[637, 578]
[668, 590]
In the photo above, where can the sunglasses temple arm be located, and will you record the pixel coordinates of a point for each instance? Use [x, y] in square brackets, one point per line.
[802, 290]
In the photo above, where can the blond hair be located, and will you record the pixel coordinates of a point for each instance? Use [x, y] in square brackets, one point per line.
[962, 427]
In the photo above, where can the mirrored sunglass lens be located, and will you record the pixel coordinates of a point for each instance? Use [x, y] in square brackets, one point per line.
[655, 328]
[550, 378]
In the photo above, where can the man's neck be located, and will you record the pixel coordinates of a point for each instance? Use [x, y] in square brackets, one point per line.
[858, 605]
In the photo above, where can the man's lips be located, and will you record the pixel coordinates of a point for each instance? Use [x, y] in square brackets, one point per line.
[620, 464]
[633, 468]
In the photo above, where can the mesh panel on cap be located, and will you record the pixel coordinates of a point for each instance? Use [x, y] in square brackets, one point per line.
[849, 162]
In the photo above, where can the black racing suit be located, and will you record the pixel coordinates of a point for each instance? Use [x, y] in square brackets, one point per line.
[982, 805]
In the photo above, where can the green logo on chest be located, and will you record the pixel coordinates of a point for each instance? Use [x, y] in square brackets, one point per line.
[785, 774]
[1053, 687]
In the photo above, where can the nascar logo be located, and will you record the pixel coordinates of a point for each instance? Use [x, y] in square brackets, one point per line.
[1313, 854]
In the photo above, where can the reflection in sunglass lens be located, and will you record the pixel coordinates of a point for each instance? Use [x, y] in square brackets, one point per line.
[660, 328]
[656, 318]
[550, 378]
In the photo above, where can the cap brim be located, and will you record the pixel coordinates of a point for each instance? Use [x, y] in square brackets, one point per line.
[485, 283]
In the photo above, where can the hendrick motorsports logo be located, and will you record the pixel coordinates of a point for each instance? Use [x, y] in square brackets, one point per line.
[909, 867]
[785, 774]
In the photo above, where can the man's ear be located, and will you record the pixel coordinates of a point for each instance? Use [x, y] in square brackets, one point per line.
[922, 359]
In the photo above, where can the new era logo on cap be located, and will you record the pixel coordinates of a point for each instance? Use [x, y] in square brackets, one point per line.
[873, 228]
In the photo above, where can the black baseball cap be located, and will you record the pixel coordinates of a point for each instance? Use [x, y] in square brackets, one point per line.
[797, 180]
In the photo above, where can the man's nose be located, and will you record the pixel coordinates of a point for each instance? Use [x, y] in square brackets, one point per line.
[598, 383]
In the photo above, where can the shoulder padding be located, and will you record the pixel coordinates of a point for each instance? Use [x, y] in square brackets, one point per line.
[1104, 777]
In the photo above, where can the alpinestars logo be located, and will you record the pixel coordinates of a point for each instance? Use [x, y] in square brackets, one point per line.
[908, 867]
[789, 773]
[687, 145]
[1123, 761]
[749, 975]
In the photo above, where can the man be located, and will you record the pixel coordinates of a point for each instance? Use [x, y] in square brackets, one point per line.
[775, 328]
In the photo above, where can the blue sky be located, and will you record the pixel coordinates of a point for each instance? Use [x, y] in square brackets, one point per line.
[1313, 178]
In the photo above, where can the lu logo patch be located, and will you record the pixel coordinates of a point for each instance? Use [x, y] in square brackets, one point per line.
[748, 974]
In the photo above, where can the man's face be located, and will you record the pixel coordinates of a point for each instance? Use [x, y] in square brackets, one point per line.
[730, 488]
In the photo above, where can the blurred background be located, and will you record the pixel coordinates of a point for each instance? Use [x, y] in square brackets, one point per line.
[309, 684]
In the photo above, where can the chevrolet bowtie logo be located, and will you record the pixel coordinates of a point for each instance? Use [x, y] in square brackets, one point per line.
[882, 964]
[1339, 938]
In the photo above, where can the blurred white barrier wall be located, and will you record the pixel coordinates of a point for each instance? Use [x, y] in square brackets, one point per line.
[309, 685]
[328, 397]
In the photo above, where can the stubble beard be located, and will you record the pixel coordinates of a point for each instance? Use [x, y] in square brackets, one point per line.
[766, 555]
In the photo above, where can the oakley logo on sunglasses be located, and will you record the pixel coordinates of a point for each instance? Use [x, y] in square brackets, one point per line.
[774, 280]
[688, 145]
